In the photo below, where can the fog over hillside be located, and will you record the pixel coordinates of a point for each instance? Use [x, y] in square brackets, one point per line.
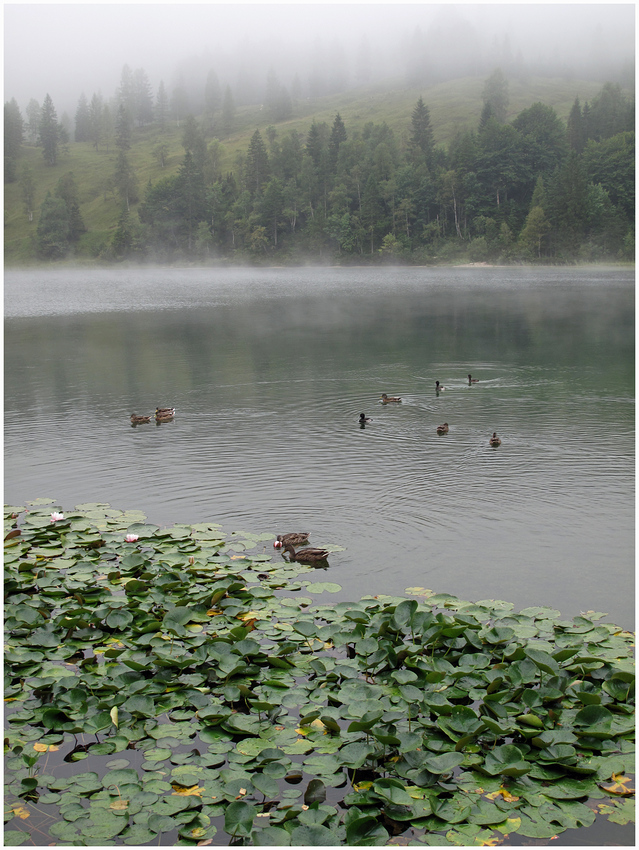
[67, 49]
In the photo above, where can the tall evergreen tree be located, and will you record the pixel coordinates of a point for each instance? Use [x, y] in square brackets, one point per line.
[228, 111]
[49, 131]
[575, 131]
[67, 190]
[142, 98]
[125, 180]
[13, 138]
[82, 120]
[162, 107]
[28, 190]
[123, 130]
[257, 164]
[125, 93]
[52, 235]
[421, 134]
[191, 200]
[338, 135]
[495, 93]
[33, 120]
[96, 121]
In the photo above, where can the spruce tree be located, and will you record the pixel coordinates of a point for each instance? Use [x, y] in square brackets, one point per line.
[161, 107]
[575, 131]
[49, 131]
[338, 135]
[52, 235]
[82, 120]
[496, 93]
[257, 164]
[13, 137]
[228, 111]
[421, 134]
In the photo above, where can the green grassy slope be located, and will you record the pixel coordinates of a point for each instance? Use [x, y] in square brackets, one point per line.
[455, 105]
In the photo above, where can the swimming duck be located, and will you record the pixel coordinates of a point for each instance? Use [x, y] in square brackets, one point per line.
[386, 398]
[306, 556]
[164, 417]
[363, 419]
[138, 420]
[438, 387]
[295, 538]
[442, 429]
[165, 411]
[472, 380]
[494, 440]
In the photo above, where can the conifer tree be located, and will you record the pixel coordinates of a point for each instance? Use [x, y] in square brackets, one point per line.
[96, 121]
[33, 119]
[67, 190]
[49, 131]
[496, 93]
[13, 137]
[27, 188]
[161, 107]
[338, 135]
[421, 134]
[142, 98]
[257, 164]
[228, 111]
[575, 131]
[82, 120]
[52, 235]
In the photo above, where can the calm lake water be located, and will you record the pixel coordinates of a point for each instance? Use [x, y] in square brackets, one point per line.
[269, 370]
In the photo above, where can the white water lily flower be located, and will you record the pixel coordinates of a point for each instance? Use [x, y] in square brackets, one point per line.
[55, 516]
[131, 538]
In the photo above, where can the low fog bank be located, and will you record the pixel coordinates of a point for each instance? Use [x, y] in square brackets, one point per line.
[312, 49]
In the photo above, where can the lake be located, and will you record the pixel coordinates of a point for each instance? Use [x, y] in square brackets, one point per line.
[269, 371]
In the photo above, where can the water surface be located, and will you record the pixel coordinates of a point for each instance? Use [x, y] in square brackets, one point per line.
[269, 370]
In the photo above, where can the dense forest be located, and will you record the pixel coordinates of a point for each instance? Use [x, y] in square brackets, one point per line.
[528, 188]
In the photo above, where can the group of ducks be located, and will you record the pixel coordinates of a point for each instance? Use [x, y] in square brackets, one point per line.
[494, 441]
[288, 542]
[162, 414]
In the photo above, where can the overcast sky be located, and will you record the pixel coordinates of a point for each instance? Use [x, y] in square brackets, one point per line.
[66, 49]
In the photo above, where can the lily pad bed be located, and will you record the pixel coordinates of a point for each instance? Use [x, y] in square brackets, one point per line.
[185, 686]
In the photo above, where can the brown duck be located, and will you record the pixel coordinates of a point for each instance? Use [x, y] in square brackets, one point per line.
[306, 556]
[494, 440]
[138, 420]
[386, 399]
[442, 429]
[295, 538]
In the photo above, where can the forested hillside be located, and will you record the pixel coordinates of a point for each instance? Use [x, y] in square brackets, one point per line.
[467, 170]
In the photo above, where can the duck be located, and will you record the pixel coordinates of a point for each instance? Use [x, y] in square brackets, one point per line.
[164, 416]
[387, 398]
[138, 420]
[165, 411]
[472, 380]
[442, 429]
[494, 440]
[306, 556]
[363, 419]
[438, 387]
[295, 538]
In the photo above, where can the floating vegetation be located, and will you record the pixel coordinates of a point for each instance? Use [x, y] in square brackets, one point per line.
[178, 685]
